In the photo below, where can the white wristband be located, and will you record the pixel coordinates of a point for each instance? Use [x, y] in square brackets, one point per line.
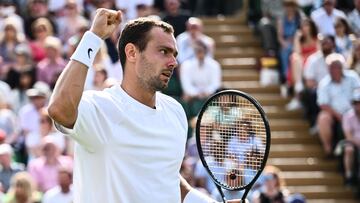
[87, 49]
[194, 196]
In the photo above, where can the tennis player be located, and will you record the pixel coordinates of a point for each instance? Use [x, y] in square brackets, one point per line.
[130, 138]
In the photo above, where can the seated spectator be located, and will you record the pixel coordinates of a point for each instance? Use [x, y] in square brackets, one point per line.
[287, 26]
[273, 189]
[63, 192]
[354, 59]
[337, 82]
[186, 40]
[8, 167]
[354, 18]
[305, 44]
[8, 120]
[33, 139]
[37, 9]
[19, 98]
[71, 17]
[23, 62]
[9, 10]
[10, 37]
[343, 39]
[22, 189]
[41, 28]
[325, 17]
[52, 65]
[200, 77]
[315, 69]
[99, 77]
[351, 128]
[129, 7]
[74, 40]
[175, 16]
[45, 169]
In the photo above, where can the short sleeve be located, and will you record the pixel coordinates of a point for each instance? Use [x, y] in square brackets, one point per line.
[88, 128]
[322, 95]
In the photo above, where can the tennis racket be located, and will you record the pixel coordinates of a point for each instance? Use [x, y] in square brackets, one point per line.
[233, 140]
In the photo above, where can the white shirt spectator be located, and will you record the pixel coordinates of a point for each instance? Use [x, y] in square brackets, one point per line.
[315, 67]
[196, 79]
[29, 118]
[186, 46]
[324, 22]
[130, 7]
[354, 21]
[55, 195]
[338, 95]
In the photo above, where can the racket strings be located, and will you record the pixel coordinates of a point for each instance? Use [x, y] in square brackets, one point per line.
[233, 140]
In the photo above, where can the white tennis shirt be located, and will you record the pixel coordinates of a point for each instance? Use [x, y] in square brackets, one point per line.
[127, 152]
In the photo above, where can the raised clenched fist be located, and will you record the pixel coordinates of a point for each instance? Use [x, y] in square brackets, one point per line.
[105, 22]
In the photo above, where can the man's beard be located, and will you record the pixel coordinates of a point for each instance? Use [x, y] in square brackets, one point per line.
[153, 82]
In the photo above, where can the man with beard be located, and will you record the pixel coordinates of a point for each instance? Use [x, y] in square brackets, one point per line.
[131, 138]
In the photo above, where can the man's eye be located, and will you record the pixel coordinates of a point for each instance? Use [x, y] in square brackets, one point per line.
[163, 51]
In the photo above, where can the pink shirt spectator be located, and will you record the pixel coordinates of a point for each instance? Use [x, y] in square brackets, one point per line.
[47, 71]
[351, 123]
[46, 176]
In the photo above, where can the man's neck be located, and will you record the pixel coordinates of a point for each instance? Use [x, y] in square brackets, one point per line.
[139, 93]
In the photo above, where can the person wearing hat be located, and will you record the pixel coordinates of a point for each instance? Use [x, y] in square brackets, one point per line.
[334, 98]
[8, 167]
[326, 16]
[351, 128]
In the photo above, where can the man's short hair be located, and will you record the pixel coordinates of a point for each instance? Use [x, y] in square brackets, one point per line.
[137, 32]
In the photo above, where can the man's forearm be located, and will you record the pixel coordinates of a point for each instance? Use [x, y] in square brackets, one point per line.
[67, 94]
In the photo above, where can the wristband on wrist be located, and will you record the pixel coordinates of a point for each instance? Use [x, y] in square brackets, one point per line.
[194, 196]
[87, 49]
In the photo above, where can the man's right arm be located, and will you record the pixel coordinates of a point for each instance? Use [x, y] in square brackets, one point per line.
[68, 90]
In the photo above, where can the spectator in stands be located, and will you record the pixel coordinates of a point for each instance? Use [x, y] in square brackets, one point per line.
[351, 128]
[8, 11]
[315, 69]
[99, 77]
[71, 17]
[19, 97]
[129, 7]
[8, 120]
[325, 17]
[8, 167]
[45, 169]
[175, 16]
[186, 40]
[23, 62]
[63, 192]
[337, 82]
[354, 59]
[29, 114]
[41, 28]
[287, 26]
[343, 39]
[73, 41]
[51, 66]
[354, 18]
[23, 189]
[10, 37]
[33, 139]
[37, 9]
[274, 189]
[305, 44]
[200, 77]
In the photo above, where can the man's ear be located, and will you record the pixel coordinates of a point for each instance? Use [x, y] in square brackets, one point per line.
[131, 52]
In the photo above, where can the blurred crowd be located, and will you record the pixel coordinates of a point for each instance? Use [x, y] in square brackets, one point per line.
[318, 48]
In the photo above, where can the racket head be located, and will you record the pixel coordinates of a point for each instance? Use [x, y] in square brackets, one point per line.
[228, 117]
